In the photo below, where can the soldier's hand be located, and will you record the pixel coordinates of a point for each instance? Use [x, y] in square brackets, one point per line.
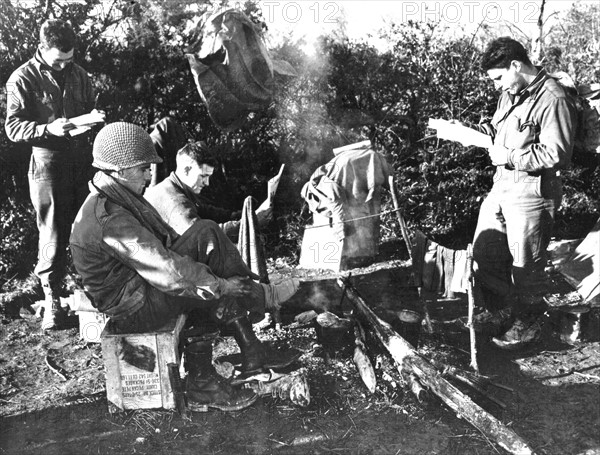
[264, 213]
[99, 115]
[498, 154]
[236, 286]
[60, 127]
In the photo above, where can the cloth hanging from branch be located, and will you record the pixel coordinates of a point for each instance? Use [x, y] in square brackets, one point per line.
[232, 68]
[437, 268]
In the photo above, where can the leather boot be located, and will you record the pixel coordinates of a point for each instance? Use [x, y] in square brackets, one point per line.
[257, 356]
[204, 386]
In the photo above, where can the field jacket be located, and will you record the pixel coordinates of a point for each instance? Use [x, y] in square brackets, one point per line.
[537, 126]
[180, 207]
[123, 263]
[35, 99]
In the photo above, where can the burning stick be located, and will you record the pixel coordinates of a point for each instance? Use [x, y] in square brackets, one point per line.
[410, 362]
[360, 357]
[415, 387]
[480, 381]
[361, 360]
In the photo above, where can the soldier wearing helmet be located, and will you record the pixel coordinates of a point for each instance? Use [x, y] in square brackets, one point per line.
[141, 273]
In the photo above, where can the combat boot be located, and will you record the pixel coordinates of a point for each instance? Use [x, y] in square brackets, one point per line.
[257, 356]
[204, 386]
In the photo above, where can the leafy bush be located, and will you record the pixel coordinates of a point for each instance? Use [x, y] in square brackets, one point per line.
[348, 91]
[18, 233]
[394, 93]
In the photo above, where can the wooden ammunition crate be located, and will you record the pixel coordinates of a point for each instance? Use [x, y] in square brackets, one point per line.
[137, 376]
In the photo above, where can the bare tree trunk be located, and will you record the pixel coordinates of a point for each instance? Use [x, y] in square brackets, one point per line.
[537, 53]
[48, 11]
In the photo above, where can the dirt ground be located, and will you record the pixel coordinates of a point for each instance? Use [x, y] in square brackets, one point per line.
[555, 405]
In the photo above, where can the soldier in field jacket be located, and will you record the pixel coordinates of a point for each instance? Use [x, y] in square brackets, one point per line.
[179, 201]
[42, 94]
[532, 132]
[142, 273]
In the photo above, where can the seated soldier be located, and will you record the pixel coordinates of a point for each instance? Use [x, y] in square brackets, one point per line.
[177, 198]
[141, 273]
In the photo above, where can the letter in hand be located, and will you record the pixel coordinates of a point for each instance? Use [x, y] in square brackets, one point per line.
[85, 122]
[60, 127]
[453, 130]
[237, 286]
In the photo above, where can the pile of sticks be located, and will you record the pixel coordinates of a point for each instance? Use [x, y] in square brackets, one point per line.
[421, 374]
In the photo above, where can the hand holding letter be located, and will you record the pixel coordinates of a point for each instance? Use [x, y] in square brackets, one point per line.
[85, 122]
[60, 127]
[264, 213]
[498, 154]
[455, 131]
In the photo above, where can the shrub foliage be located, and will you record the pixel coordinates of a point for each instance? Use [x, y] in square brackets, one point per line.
[347, 91]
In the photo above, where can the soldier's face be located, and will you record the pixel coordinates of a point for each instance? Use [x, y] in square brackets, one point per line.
[56, 58]
[136, 178]
[508, 79]
[198, 176]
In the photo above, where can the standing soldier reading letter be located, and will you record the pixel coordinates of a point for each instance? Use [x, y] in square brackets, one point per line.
[532, 132]
[43, 94]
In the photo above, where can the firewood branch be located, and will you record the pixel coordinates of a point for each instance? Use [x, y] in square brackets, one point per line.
[410, 362]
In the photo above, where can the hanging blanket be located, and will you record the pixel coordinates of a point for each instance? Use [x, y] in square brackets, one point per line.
[232, 68]
[437, 268]
[250, 245]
